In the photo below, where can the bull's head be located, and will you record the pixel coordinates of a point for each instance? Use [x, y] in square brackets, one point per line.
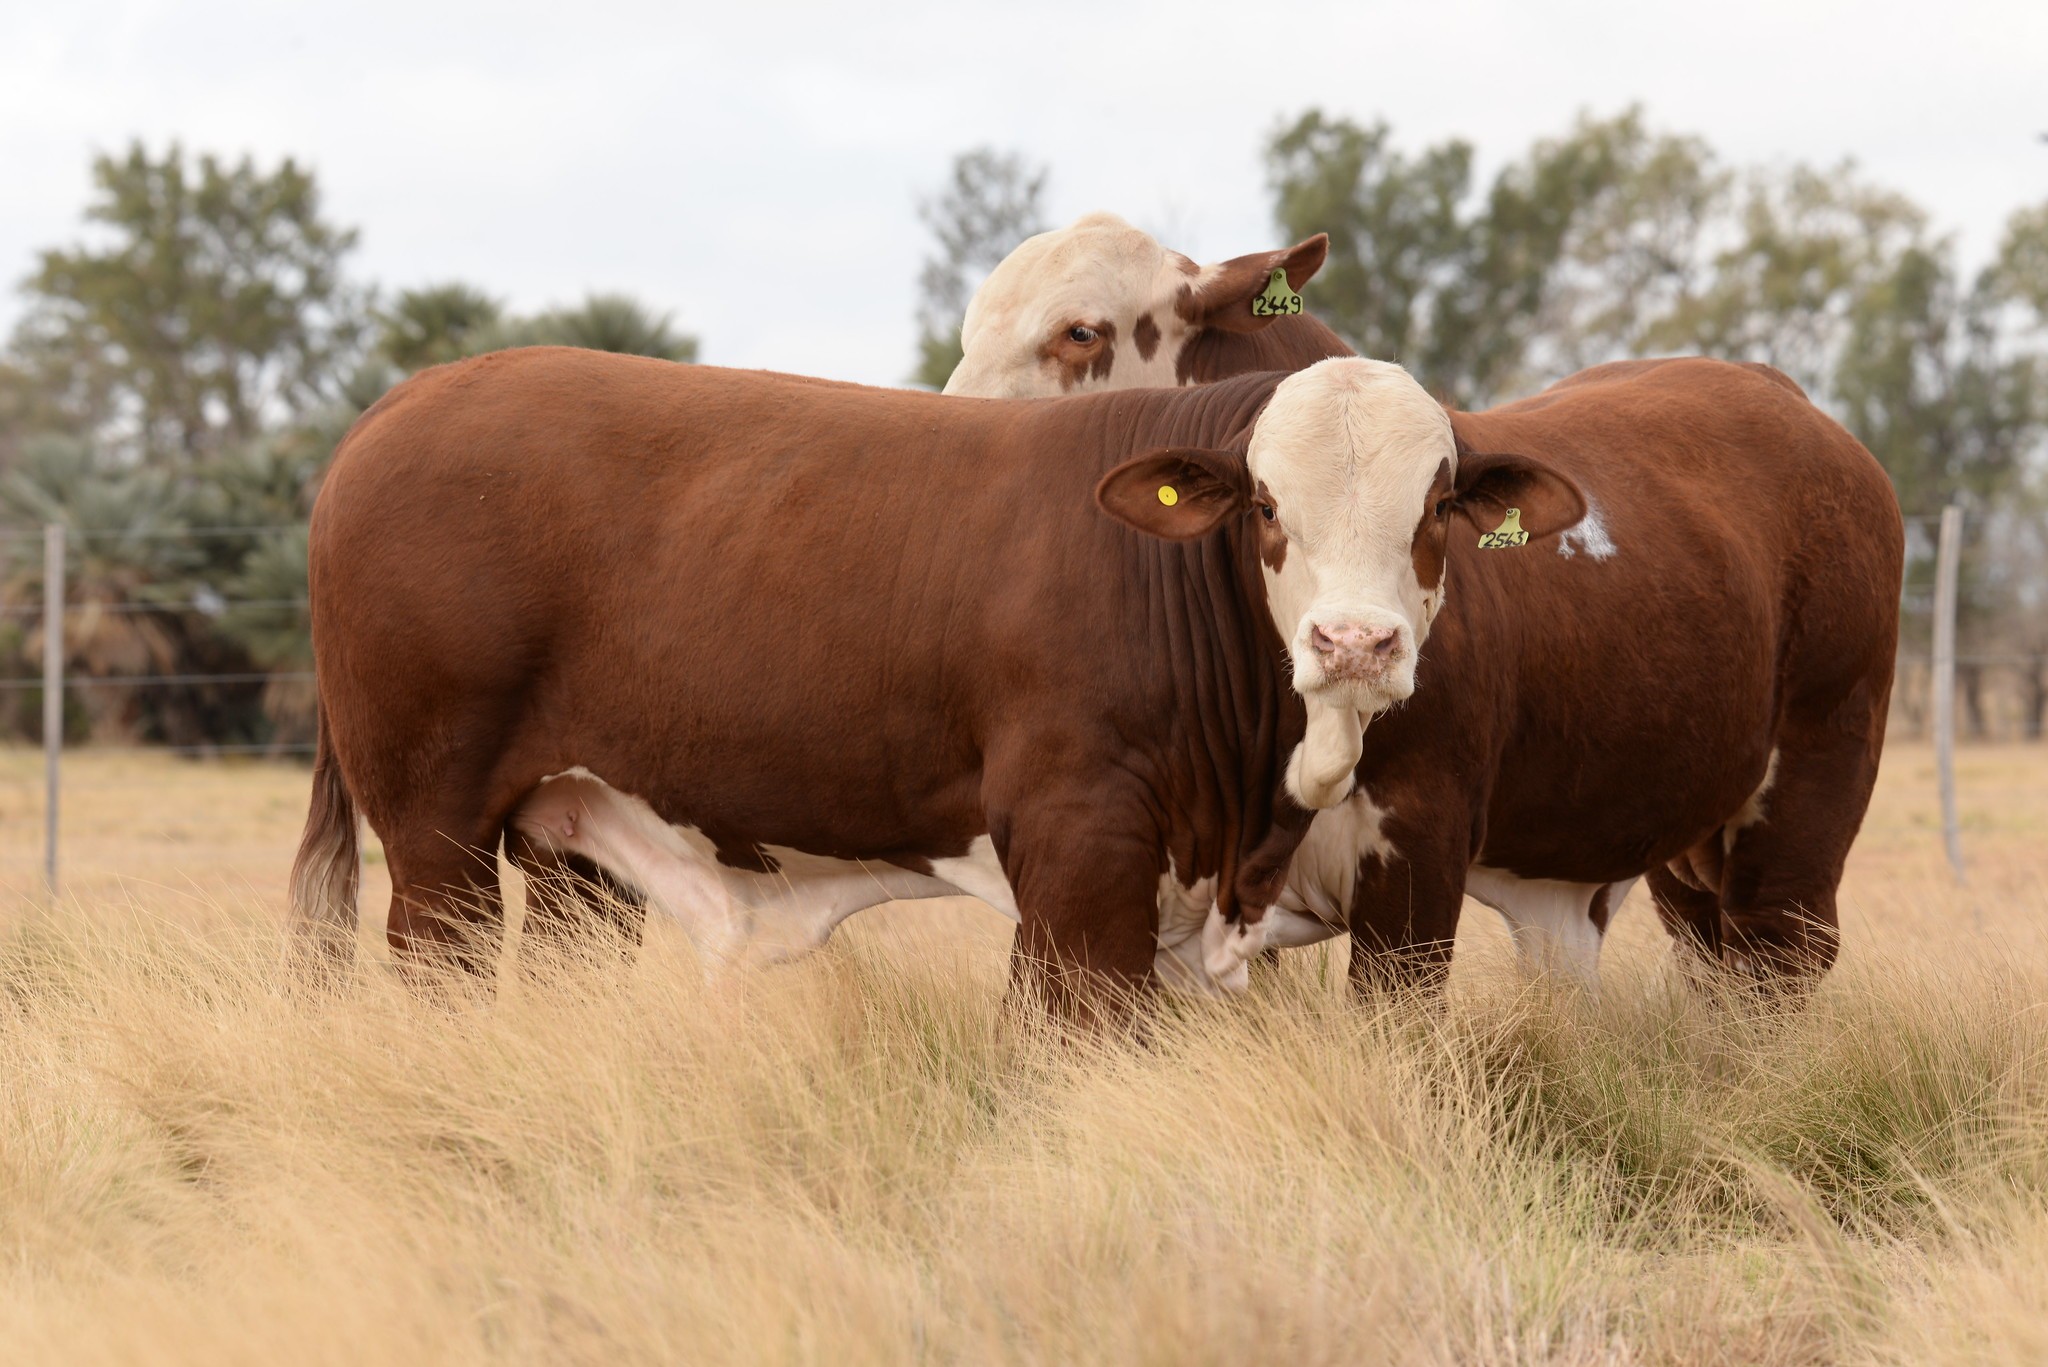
[1350, 481]
[1101, 305]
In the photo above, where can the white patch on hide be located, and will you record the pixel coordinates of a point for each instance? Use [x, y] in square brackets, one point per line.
[1551, 920]
[1590, 536]
[1201, 954]
[1323, 877]
[731, 915]
[1753, 810]
[978, 873]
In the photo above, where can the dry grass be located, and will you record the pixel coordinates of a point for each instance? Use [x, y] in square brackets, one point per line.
[863, 1158]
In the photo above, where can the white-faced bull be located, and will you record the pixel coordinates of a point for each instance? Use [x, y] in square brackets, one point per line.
[762, 651]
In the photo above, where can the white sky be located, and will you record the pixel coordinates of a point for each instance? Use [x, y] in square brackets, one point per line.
[755, 167]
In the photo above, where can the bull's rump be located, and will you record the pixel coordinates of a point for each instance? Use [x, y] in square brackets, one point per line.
[1633, 696]
[754, 601]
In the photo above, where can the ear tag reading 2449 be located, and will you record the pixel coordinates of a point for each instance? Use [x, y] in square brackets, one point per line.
[1168, 495]
[1279, 298]
[1507, 535]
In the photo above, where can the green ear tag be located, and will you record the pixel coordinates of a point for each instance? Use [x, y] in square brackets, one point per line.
[1279, 298]
[1508, 534]
[1168, 495]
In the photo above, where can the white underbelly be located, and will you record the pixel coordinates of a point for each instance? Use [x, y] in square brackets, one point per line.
[739, 916]
[1558, 926]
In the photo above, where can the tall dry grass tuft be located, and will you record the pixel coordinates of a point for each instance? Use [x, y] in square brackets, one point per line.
[868, 1156]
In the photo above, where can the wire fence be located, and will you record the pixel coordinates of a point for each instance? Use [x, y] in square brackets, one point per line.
[72, 607]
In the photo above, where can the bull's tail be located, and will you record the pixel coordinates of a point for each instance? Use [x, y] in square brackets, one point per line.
[327, 875]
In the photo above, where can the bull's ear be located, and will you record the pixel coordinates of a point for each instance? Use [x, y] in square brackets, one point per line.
[1488, 486]
[1178, 493]
[1221, 297]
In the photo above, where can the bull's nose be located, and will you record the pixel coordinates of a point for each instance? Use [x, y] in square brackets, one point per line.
[1353, 640]
[1348, 650]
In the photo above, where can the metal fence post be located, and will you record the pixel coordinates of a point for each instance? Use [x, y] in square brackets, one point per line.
[1947, 556]
[53, 693]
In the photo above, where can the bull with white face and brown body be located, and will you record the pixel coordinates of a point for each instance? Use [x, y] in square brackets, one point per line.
[1690, 684]
[762, 651]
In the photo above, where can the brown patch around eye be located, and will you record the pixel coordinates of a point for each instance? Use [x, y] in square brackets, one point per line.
[1146, 335]
[1272, 540]
[1431, 534]
[1078, 361]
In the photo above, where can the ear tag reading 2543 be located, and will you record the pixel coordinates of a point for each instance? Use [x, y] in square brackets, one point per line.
[1279, 298]
[1168, 495]
[1508, 534]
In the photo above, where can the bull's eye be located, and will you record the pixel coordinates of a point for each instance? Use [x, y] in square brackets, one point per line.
[1443, 508]
[1081, 334]
[1266, 511]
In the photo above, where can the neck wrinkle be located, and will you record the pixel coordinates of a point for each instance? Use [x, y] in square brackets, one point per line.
[1227, 674]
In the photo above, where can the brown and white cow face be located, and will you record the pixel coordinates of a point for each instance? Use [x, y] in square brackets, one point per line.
[1102, 305]
[1351, 477]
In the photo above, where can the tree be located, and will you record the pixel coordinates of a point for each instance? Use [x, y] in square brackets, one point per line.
[1565, 261]
[209, 304]
[606, 322]
[435, 324]
[1398, 237]
[2012, 315]
[991, 202]
[136, 587]
[1592, 239]
[26, 410]
[1808, 247]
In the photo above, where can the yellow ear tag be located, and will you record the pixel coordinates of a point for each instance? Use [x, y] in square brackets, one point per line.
[1507, 535]
[1278, 298]
[1168, 495]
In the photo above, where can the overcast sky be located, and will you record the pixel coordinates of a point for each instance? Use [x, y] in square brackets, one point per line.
[755, 167]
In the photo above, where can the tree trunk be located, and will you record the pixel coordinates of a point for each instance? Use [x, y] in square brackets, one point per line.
[1971, 679]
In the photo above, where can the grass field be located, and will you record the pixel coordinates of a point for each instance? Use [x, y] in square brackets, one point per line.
[864, 1158]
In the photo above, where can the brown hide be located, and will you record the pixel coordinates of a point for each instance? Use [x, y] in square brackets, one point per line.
[862, 623]
[1289, 343]
[1586, 719]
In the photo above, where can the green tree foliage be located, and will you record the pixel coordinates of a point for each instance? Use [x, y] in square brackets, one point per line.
[990, 203]
[1616, 240]
[1400, 241]
[173, 395]
[439, 323]
[435, 324]
[208, 304]
[1807, 248]
[607, 322]
[1592, 239]
[1562, 261]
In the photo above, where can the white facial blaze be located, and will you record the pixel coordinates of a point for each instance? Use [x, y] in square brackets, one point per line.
[1098, 271]
[1348, 452]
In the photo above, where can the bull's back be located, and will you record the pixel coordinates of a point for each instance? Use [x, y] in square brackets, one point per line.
[650, 570]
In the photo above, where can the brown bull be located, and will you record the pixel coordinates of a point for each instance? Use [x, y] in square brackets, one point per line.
[762, 650]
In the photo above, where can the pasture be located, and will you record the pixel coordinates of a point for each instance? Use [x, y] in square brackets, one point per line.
[866, 1158]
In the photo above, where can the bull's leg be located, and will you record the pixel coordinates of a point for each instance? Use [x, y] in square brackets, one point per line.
[1691, 916]
[1777, 896]
[1404, 922]
[447, 910]
[1087, 898]
[571, 902]
[1412, 858]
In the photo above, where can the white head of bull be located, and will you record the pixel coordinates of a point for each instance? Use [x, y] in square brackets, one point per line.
[1351, 479]
[1102, 305]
